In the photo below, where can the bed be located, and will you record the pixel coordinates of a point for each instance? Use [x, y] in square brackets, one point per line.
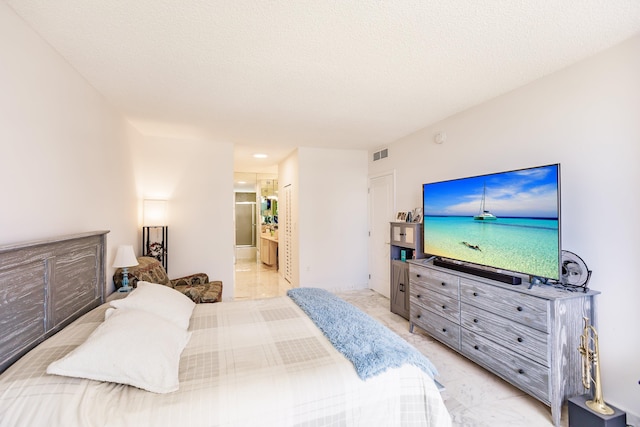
[261, 362]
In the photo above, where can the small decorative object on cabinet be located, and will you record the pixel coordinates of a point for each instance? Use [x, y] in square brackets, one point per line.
[528, 337]
[406, 243]
[155, 233]
[417, 215]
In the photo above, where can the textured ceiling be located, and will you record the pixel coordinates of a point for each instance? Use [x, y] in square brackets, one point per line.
[272, 75]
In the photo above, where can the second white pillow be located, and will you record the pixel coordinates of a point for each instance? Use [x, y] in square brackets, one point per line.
[160, 300]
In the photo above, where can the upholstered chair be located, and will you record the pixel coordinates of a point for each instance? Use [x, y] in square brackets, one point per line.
[196, 286]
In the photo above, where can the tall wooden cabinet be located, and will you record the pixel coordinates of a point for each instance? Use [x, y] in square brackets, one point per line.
[405, 244]
[528, 337]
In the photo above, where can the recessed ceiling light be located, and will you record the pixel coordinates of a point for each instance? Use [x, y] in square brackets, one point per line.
[260, 156]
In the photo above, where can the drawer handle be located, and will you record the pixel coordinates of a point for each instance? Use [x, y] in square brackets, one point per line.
[475, 320]
[418, 316]
[444, 307]
[476, 347]
[401, 287]
[475, 294]
[521, 371]
[444, 284]
[519, 309]
[520, 339]
[444, 330]
[418, 296]
[417, 275]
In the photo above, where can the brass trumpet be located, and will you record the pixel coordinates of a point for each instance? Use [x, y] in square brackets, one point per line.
[590, 352]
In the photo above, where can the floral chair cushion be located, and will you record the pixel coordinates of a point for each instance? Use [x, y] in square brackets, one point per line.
[196, 286]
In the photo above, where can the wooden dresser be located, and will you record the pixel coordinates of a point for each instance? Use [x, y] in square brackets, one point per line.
[528, 337]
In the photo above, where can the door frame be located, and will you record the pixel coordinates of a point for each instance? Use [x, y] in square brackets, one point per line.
[371, 250]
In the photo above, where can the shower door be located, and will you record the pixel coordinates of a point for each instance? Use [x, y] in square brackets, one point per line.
[245, 219]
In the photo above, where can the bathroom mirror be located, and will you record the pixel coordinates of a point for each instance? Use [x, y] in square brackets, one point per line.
[269, 201]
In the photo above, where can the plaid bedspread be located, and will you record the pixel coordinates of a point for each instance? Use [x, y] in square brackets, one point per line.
[248, 363]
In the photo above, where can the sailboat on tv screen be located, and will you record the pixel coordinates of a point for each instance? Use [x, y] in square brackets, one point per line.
[484, 214]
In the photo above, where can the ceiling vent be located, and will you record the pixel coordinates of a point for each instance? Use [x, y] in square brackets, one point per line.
[380, 154]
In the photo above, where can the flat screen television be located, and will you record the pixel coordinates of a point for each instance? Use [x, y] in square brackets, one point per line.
[506, 221]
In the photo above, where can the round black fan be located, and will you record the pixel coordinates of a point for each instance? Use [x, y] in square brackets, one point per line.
[575, 273]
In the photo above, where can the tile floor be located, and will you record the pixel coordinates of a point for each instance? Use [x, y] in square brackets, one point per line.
[255, 280]
[474, 397]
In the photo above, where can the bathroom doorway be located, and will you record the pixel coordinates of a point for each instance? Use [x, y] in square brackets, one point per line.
[245, 215]
[255, 211]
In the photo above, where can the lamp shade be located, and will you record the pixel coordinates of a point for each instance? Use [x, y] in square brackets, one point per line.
[125, 257]
[154, 213]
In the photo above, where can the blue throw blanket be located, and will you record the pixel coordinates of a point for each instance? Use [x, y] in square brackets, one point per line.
[370, 346]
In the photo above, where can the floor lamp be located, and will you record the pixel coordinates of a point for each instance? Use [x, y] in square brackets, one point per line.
[155, 232]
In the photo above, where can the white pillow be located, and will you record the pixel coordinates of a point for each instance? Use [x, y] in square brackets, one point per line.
[160, 300]
[130, 347]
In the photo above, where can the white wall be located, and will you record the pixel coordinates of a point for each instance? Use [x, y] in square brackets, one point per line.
[329, 217]
[587, 118]
[196, 178]
[333, 218]
[65, 165]
[70, 163]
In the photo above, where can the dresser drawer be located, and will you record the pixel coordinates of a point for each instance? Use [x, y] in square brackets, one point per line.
[522, 308]
[434, 280]
[443, 305]
[525, 374]
[528, 342]
[438, 327]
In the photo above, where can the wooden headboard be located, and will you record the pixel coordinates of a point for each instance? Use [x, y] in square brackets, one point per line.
[45, 285]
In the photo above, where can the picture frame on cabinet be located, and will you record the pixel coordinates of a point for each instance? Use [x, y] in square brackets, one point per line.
[416, 215]
[401, 216]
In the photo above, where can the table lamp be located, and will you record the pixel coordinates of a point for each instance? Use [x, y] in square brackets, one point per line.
[125, 257]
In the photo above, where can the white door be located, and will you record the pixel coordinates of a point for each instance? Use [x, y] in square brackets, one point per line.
[286, 263]
[381, 212]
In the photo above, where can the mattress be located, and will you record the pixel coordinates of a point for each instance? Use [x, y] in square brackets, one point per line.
[248, 363]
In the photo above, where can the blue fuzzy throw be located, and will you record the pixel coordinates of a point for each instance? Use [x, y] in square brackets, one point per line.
[370, 346]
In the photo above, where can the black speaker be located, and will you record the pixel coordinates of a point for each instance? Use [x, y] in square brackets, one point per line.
[499, 277]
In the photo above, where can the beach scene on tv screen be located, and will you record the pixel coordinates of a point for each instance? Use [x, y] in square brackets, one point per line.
[507, 220]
